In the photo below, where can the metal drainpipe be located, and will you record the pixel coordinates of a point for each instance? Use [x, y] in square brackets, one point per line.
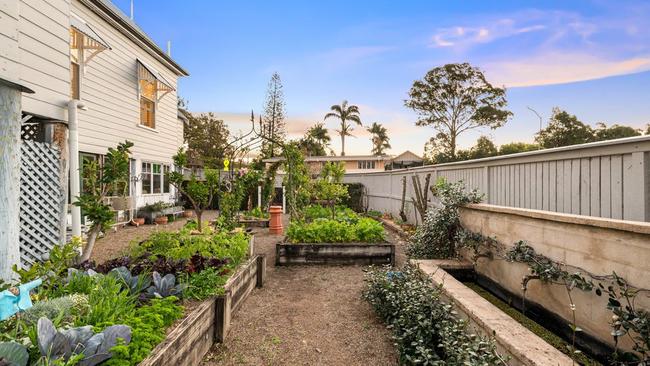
[73, 140]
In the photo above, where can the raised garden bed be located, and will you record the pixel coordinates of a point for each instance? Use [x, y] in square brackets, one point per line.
[334, 253]
[209, 322]
[512, 338]
[253, 222]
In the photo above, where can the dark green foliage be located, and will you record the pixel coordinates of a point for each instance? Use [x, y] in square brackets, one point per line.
[355, 197]
[424, 327]
[517, 147]
[296, 181]
[455, 98]
[364, 230]
[564, 129]
[51, 271]
[13, 354]
[615, 131]
[207, 140]
[438, 236]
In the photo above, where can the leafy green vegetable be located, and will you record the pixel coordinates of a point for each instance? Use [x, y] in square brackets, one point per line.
[332, 231]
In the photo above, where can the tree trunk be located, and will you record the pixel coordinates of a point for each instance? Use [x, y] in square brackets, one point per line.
[90, 243]
[10, 108]
[342, 145]
[199, 222]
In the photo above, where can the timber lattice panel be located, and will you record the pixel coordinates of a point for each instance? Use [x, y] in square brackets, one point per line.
[40, 196]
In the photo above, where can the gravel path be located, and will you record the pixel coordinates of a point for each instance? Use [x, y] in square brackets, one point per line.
[306, 315]
[115, 242]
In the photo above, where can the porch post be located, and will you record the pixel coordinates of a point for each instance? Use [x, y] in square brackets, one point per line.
[10, 119]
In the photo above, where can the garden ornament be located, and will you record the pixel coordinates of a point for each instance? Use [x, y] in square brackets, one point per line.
[16, 299]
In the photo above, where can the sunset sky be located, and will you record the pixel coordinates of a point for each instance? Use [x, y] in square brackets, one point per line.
[591, 58]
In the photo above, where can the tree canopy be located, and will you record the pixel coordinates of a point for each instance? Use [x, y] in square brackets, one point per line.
[207, 140]
[615, 131]
[455, 98]
[564, 129]
[517, 147]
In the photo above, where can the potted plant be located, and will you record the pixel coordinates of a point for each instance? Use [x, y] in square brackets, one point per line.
[188, 213]
[161, 220]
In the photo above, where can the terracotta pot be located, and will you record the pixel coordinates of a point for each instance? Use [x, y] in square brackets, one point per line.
[161, 220]
[188, 213]
[138, 221]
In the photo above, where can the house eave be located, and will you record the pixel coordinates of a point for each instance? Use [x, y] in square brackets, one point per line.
[115, 17]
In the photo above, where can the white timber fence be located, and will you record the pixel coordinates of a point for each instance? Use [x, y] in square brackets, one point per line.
[40, 198]
[609, 179]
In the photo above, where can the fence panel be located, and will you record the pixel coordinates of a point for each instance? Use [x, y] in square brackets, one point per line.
[609, 179]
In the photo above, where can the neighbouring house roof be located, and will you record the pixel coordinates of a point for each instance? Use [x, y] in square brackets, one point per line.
[336, 158]
[112, 14]
[407, 156]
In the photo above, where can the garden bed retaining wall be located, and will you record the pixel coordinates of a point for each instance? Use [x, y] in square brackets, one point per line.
[338, 253]
[209, 322]
[512, 339]
[599, 246]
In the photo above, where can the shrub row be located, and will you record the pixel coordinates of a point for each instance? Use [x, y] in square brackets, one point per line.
[424, 327]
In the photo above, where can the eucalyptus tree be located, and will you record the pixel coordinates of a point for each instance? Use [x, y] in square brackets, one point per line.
[346, 113]
[380, 139]
[455, 98]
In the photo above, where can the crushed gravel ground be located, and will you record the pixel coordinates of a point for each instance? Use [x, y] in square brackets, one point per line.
[306, 315]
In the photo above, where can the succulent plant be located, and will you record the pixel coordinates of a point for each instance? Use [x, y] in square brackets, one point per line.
[135, 284]
[63, 344]
[13, 354]
[164, 286]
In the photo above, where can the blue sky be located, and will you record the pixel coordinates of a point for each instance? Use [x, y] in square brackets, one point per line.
[591, 58]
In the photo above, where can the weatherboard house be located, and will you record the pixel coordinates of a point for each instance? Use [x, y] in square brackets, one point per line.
[96, 79]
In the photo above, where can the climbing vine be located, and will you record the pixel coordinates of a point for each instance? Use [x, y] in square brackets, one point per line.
[296, 180]
[627, 321]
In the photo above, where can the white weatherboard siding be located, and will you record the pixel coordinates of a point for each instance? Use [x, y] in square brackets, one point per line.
[44, 55]
[110, 91]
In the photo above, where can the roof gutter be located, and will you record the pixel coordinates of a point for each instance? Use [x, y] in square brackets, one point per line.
[115, 18]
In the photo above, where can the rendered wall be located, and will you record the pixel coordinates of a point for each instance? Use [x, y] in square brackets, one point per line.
[599, 246]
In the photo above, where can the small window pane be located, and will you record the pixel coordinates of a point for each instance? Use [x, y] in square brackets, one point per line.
[166, 179]
[147, 112]
[146, 178]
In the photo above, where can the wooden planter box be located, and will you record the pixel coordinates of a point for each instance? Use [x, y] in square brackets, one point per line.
[254, 222]
[209, 322]
[330, 253]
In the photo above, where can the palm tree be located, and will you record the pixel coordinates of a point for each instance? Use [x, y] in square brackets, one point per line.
[345, 113]
[380, 139]
[319, 133]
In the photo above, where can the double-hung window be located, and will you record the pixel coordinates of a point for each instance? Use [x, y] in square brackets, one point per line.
[152, 86]
[154, 178]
